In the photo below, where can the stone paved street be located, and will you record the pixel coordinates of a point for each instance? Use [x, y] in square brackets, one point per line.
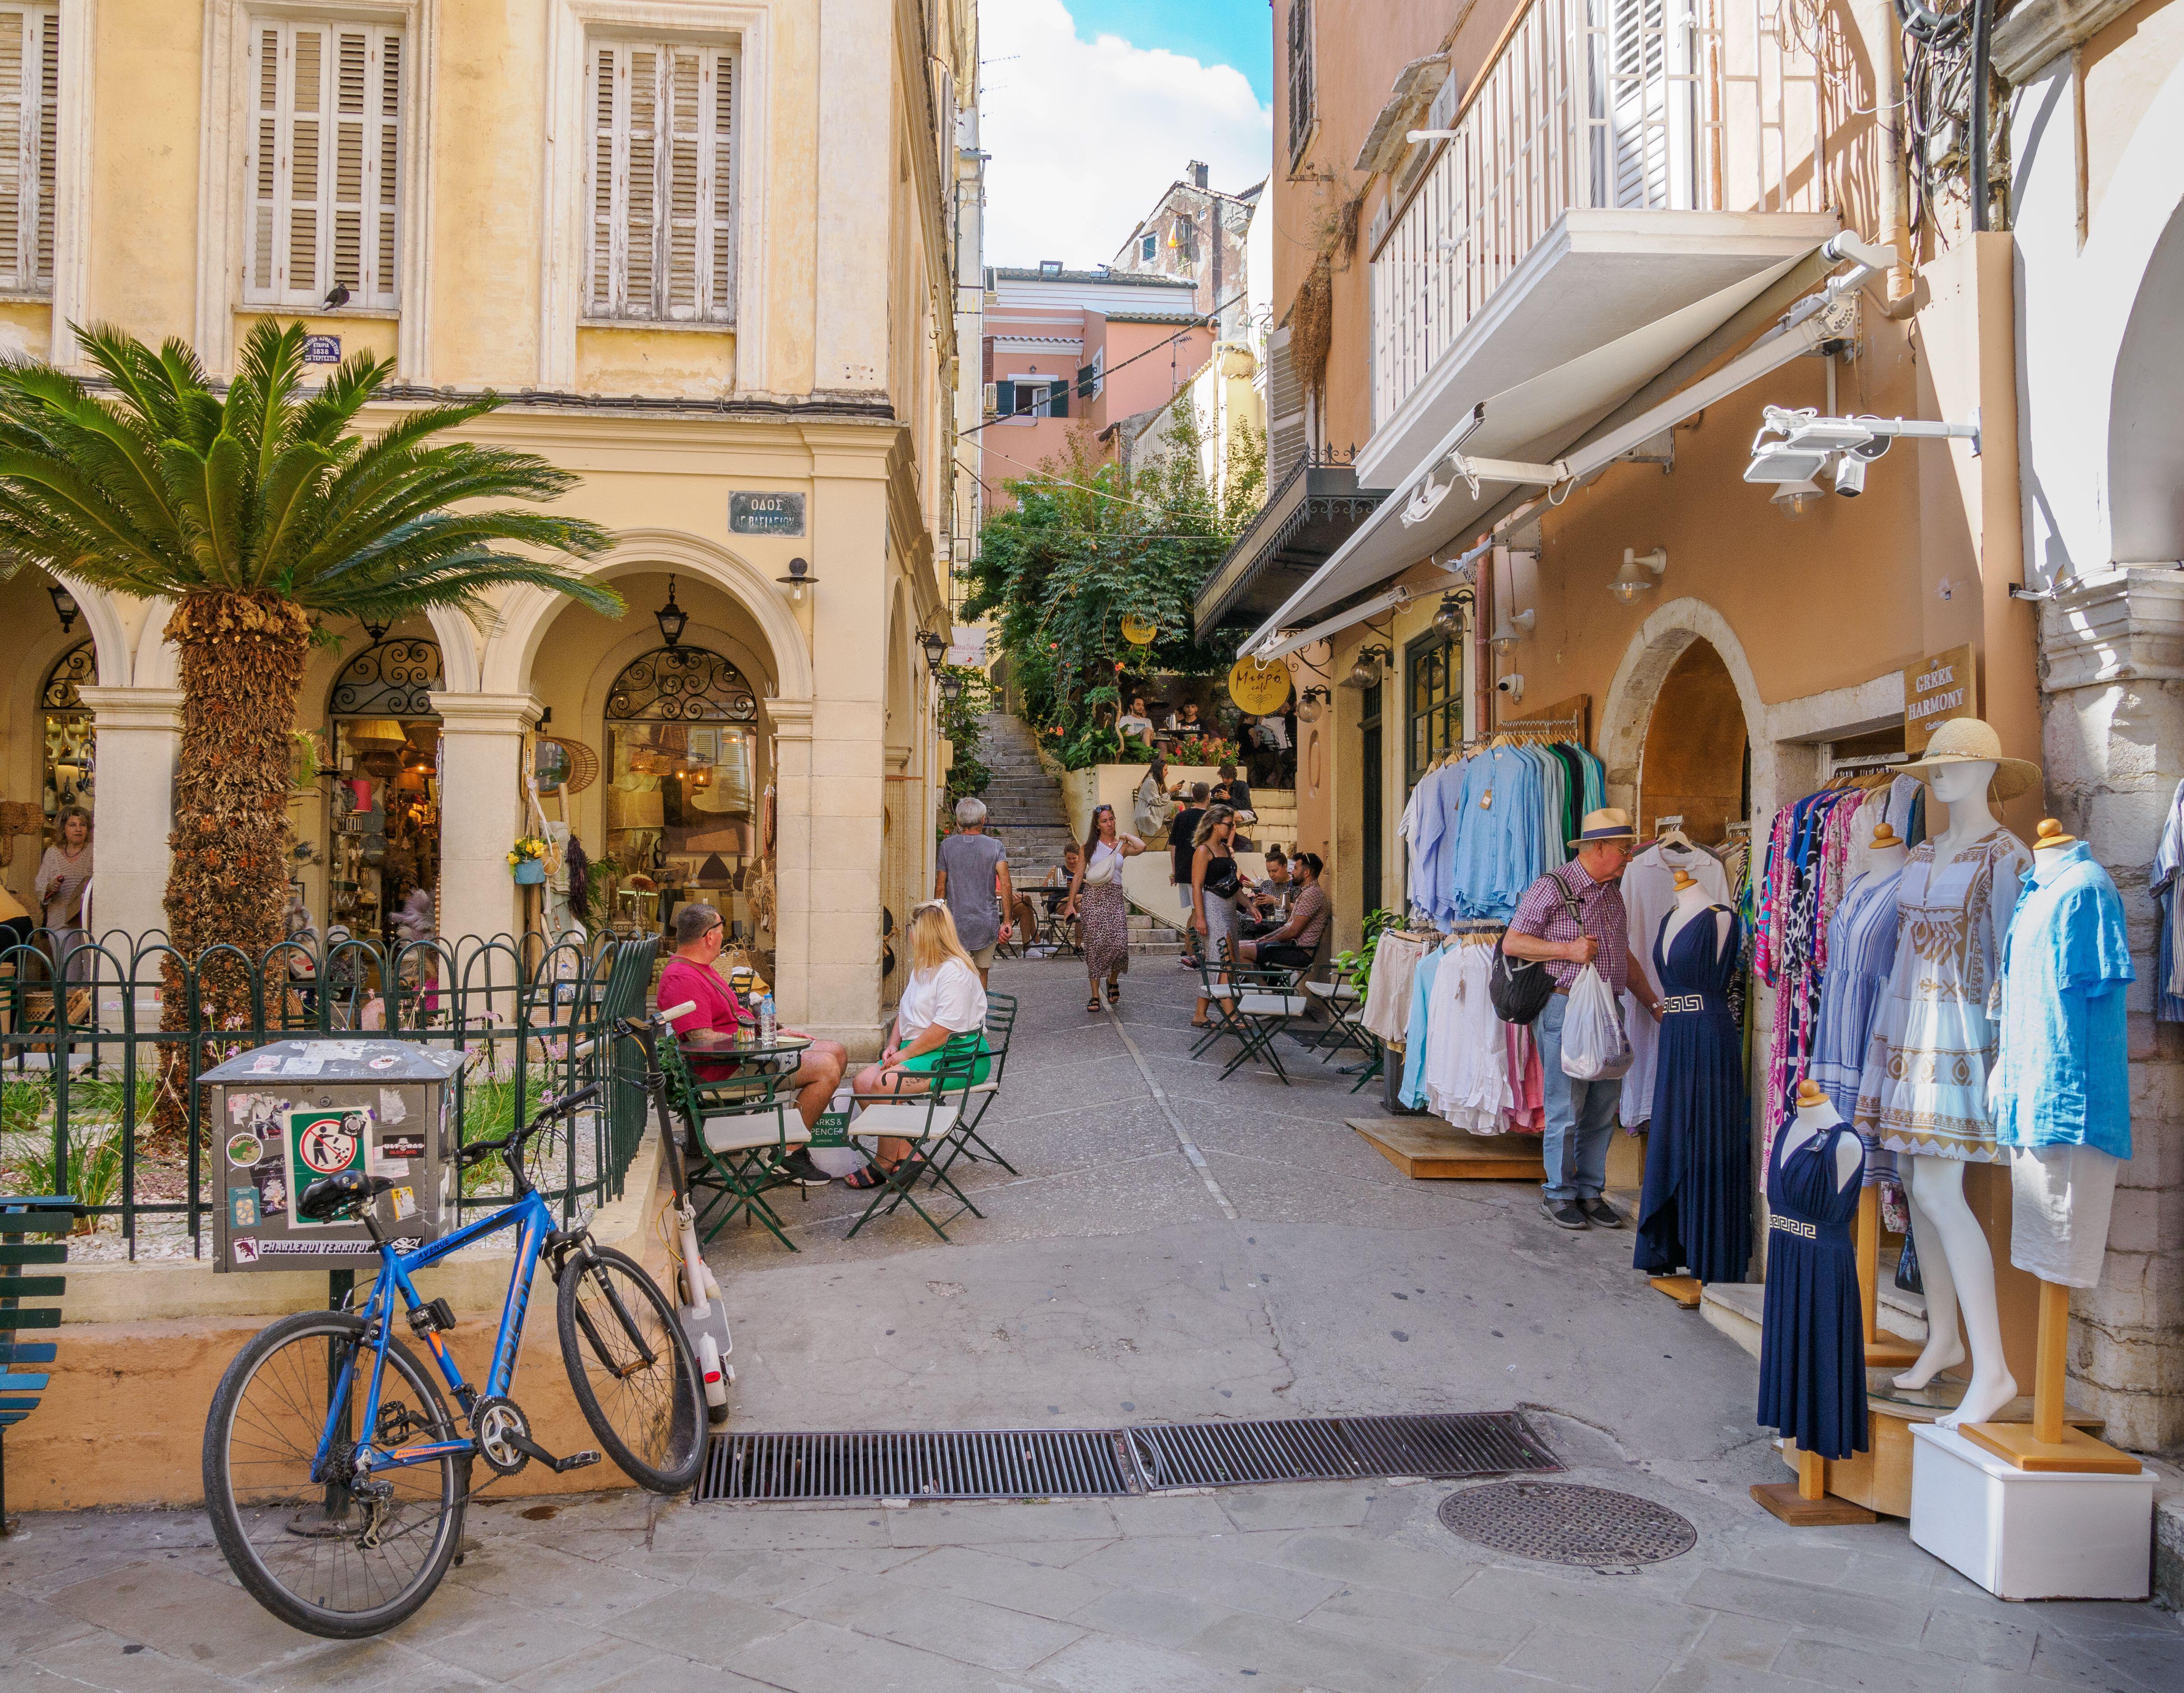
[1174, 1247]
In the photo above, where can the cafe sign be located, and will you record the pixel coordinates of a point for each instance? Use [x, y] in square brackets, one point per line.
[1935, 690]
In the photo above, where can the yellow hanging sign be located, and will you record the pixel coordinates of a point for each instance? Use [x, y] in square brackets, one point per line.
[1258, 688]
[1138, 631]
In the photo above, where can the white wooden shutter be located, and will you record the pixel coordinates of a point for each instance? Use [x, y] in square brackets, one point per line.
[662, 191]
[1285, 410]
[323, 163]
[30, 98]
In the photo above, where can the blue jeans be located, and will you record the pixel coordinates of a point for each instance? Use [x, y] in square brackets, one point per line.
[1581, 1114]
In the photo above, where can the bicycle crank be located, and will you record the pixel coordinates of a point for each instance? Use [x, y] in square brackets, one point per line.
[503, 1437]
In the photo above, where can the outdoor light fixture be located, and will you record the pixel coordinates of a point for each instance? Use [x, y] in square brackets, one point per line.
[64, 603]
[1641, 574]
[375, 632]
[1841, 447]
[1366, 672]
[935, 646]
[799, 578]
[1514, 629]
[672, 619]
[1448, 616]
[1311, 700]
[951, 688]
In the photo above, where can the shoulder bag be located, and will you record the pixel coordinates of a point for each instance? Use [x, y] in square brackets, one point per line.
[1520, 987]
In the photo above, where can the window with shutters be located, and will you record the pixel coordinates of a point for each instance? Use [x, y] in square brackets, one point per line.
[322, 163]
[1303, 84]
[662, 237]
[30, 102]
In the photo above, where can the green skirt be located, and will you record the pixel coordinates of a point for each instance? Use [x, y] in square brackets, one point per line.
[958, 1048]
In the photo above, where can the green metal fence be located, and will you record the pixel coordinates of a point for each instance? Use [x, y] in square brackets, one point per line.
[99, 1101]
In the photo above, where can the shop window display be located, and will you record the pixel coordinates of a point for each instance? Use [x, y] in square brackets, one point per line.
[70, 739]
[383, 806]
[683, 791]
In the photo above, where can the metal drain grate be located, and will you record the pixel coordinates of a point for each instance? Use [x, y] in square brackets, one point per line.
[983, 1464]
[1331, 1448]
[1564, 1523]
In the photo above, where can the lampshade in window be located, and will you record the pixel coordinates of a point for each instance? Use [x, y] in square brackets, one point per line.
[368, 732]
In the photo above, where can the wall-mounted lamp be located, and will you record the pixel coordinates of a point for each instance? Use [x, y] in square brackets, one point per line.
[1367, 670]
[1310, 701]
[64, 603]
[1795, 499]
[799, 578]
[935, 646]
[951, 688]
[1513, 628]
[1641, 574]
[1448, 616]
[672, 618]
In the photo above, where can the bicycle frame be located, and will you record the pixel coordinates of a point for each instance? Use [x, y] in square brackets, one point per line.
[536, 1223]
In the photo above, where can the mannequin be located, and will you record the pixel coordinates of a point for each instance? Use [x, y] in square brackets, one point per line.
[1924, 1091]
[1815, 1115]
[1691, 899]
[1888, 850]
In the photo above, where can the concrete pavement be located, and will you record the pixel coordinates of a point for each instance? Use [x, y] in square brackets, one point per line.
[1174, 1247]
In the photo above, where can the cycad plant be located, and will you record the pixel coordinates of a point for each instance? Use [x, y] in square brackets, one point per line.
[261, 513]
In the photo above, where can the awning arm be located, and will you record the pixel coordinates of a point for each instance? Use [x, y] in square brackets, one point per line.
[1269, 651]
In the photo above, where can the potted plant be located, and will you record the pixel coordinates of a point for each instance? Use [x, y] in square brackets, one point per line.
[528, 859]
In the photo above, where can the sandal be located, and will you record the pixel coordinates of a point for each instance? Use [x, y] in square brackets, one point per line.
[1114, 993]
[1093, 1004]
[871, 1176]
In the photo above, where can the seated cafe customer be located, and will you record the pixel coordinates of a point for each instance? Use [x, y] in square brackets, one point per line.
[941, 1018]
[1296, 944]
[689, 975]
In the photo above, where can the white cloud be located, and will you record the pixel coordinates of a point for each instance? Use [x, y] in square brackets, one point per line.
[1086, 136]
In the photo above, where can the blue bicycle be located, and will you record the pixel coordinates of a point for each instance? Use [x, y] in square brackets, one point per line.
[335, 1471]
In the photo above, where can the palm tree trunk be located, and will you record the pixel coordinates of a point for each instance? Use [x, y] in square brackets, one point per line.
[241, 662]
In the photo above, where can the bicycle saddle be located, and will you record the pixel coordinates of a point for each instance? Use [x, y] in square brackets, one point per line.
[331, 1196]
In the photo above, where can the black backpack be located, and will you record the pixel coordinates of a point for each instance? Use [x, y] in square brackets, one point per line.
[1520, 987]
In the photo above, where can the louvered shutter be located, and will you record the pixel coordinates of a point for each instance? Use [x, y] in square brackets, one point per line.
[30, 98]
[1057, 398]
[1285, 411]
[323, 164]
[1004, 399]
[663, 235]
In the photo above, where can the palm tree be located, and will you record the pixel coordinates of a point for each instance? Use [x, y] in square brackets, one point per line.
[259, 513]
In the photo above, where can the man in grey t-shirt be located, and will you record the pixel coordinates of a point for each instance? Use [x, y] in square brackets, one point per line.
[973, 866]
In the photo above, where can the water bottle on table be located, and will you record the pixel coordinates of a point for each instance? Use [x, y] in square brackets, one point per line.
[765, 1020]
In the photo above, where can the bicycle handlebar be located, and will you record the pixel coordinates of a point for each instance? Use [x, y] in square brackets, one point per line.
[474, 1151]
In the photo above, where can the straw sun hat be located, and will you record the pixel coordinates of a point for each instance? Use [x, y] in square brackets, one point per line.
[1967, 740]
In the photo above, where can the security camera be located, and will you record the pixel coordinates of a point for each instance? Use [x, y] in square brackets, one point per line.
[1513, 686]
[1850, 476]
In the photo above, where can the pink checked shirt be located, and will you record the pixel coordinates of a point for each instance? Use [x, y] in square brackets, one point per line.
[1542, 914]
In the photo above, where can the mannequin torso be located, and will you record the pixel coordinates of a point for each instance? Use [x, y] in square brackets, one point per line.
[1815, 1116]
[1690, 901]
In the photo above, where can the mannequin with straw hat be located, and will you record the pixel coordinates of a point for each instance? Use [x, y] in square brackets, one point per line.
[1923, 1094]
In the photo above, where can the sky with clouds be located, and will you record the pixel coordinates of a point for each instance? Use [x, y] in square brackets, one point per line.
[1091, 107]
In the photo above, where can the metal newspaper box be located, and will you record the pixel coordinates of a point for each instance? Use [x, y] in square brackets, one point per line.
[283, 1116]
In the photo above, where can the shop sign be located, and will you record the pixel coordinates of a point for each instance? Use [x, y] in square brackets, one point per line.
[1258, 688]
[1935, 690]
[322, 349]
[1138, 631]
[765, 514]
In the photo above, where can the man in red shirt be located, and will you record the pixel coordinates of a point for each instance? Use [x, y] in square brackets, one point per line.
[700, 934]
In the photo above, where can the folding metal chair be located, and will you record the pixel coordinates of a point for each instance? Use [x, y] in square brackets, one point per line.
[1000, 1024]
[736, 1128]
[1345, 1009]
[927, 1120]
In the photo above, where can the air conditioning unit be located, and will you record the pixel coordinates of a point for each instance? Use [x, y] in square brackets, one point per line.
[993, 400]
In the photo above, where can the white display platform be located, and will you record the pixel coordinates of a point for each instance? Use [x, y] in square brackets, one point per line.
[2026, 1534]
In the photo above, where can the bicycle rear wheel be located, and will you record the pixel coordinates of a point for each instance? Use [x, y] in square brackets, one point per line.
[311, 1552]
[632, 1369]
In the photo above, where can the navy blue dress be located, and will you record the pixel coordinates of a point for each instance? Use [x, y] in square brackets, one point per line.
[1695, 1211]
[1812, 1341]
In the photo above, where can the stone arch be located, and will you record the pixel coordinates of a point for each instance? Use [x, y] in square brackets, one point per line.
[1662, 639]
[155, 662]
[504, 665]
[108, 629]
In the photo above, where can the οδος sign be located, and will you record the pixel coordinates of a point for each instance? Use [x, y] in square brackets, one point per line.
[765, 514]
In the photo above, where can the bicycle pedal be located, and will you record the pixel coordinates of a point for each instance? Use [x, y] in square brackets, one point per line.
[576, 1460]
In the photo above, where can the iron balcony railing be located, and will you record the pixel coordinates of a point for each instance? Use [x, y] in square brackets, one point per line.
[99, 1101]
[1635, 105]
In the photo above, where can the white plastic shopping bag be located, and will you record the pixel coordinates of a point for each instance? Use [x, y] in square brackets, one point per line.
[1594, 1048]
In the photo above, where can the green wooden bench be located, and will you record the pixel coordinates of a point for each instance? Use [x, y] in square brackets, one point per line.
[20, 1389]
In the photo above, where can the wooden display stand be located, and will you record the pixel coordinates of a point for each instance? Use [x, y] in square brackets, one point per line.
[1685, 1290]
[1805, 1503]
[2048, 1442]
[1428, 1149]
[1882, 1351]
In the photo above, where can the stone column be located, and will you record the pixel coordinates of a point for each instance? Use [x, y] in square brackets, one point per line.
[2112, 706]
[140, 735]
[481, 809]
[792, 859]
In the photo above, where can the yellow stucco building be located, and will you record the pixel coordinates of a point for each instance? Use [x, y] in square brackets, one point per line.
[708, 249]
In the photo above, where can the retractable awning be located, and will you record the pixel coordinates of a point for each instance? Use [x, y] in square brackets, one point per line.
[1540, 417]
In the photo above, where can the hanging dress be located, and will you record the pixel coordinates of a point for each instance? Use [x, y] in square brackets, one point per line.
[1812, 1335]
[1696, 1208]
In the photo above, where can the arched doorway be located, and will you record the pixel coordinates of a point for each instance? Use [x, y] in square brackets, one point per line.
[686, 789]
[383, 799]
[70, 746]
[1696, 764]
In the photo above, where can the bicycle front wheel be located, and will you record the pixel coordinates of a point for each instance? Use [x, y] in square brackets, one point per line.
[316, 1555]
[632, 1369]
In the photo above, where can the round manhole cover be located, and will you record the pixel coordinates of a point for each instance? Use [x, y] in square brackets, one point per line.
[1563, 1522]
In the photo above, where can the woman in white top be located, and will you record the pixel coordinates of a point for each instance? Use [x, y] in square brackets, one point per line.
[941, 1018]
[1095, 897]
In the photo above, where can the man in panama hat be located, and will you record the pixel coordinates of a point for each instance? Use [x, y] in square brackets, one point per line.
[1571, 917]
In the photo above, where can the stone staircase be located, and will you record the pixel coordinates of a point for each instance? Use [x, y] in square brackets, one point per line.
[1024, 810]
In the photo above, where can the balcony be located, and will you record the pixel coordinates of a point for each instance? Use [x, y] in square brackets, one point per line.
[1619, 163]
